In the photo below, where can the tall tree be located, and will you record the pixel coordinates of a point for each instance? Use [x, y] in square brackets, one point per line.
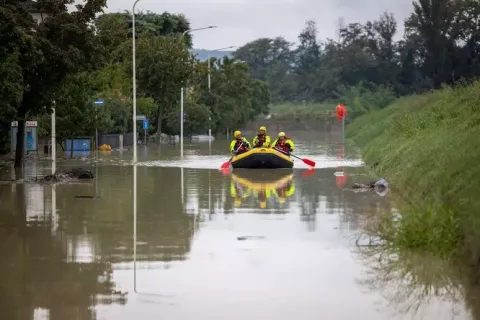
[164, 66]
[308, 60]
[63, 43]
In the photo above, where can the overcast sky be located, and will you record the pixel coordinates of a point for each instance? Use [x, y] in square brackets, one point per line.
[241, 21]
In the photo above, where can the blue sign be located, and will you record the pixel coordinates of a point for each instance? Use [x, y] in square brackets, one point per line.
[145, 124]
[99, 102]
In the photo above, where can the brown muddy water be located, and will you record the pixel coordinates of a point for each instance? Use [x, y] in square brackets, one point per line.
[201, 245]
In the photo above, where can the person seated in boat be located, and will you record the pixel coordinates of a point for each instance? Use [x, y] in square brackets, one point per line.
[239, 144]
[283, 143]
[261, 140]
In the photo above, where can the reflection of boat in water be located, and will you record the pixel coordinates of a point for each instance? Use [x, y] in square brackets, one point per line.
[264, 185]
[262, 158]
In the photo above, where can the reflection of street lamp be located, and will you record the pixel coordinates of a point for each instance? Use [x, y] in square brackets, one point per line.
[135, 225]
[181, 91]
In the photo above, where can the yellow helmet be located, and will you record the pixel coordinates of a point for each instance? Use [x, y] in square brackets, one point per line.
[263, 204]
[281, 134]
[238, 202]
[263, 129]
[237, 134]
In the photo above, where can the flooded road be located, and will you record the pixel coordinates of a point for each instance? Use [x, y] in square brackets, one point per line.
[203, 245]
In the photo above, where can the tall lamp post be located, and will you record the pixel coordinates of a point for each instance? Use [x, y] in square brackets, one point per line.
[134, 79]
[209, 52]
[182, 90]
[210, 87]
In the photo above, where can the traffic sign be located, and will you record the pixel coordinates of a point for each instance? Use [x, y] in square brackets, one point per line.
[141, 117]
[99, 102]
[27, 124]
[145, 124]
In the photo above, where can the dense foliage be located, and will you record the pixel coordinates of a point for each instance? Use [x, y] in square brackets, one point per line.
[441, 45]
[71, 59]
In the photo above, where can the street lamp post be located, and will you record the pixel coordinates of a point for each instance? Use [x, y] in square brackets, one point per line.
[134, 85]
[182, 90]
[209, 52]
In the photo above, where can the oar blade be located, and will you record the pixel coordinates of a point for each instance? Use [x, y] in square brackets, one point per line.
[225, 165]
[225, 171]
[309, 162]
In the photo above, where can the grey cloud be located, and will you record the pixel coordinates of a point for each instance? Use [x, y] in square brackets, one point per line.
[241, 21]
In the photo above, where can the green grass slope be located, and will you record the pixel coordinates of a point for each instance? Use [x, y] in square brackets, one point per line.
[428, 148]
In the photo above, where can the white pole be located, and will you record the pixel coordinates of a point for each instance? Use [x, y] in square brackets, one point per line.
[182, 186]
[209, 193]
[181, 122]
[96, 131]
[209, 80]
[135, 227]
[209, 89]
[134, 85]
[54, 142]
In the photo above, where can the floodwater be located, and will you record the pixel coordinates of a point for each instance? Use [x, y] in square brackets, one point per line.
[199, 244]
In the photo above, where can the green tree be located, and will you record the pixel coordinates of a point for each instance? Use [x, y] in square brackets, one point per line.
[64, 43]
[164, 66]
[269, 60]
[115, 30]
[307, 61]
[17, 51]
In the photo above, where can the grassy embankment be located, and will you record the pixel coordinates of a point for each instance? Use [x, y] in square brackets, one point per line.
[428, 148]
[299, 111]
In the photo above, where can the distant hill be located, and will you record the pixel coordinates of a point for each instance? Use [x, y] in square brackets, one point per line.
[202, 54]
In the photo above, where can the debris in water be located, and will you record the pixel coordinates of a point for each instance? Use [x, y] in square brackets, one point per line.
[379, 186]
[78, 173]
[85, 197]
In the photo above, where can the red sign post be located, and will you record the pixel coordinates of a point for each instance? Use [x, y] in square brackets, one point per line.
[341, 111]
[341, 175]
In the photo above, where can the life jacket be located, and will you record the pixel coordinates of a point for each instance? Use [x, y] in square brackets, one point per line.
[281, 144]
[261, 138]
[239, 143]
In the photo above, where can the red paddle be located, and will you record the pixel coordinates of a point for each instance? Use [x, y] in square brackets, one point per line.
[308, 162]
[226, 165]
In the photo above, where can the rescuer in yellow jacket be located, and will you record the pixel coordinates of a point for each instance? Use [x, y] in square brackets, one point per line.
[261, 140]
[283, 143]
[239, 144]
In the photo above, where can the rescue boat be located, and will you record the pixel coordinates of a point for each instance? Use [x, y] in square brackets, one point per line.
[262, 158]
